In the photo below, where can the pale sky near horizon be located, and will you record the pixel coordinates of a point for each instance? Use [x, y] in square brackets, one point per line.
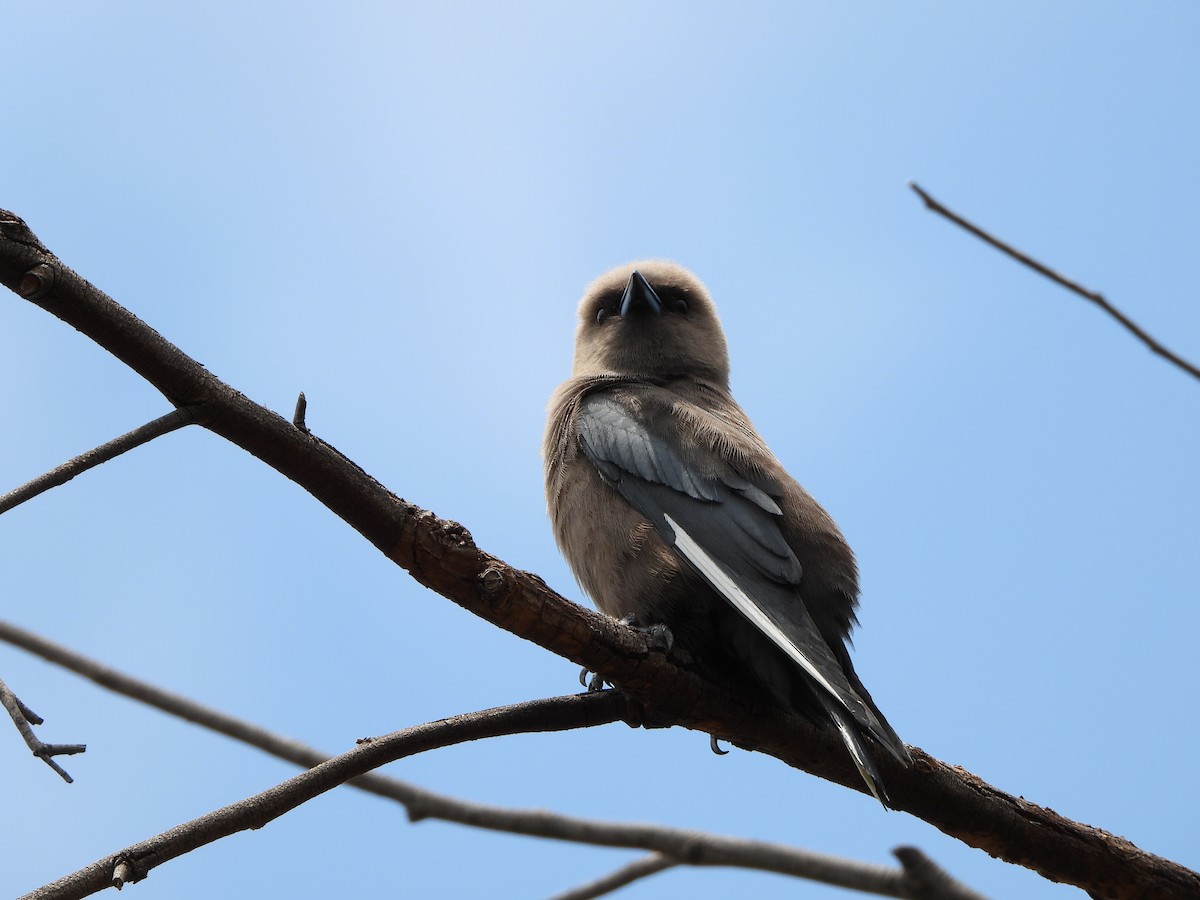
[395, 208]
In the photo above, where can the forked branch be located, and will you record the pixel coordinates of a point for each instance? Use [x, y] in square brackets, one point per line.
[25, 718]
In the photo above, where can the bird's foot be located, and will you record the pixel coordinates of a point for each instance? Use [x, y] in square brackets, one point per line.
[595, 683]
[660, 636]
[715, 745]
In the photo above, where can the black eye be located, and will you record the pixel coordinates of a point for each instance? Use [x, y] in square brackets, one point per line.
[602, 314]
[673, 298]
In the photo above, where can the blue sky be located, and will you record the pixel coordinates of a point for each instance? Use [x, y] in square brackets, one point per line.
[395, 208]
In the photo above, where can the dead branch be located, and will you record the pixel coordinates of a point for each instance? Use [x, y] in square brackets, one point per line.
[441, 555]
[24, 718]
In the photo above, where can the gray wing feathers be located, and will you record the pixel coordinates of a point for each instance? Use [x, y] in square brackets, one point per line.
[755, 495]
[612, 437]
[728, 529]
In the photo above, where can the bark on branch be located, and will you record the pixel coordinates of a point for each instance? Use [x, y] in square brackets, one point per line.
[441, 555]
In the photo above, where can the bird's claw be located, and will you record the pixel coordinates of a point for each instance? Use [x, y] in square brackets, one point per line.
[715, 746]
[595, 683]
[660, 636]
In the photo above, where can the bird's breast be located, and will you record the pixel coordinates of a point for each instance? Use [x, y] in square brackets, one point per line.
[616, 553]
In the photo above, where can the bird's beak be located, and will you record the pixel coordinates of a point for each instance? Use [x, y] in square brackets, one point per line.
[639, 295]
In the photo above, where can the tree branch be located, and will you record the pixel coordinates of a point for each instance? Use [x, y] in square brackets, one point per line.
[24, 717]
[635, 871]
[1070, 285]
[172, 421]
[918, 877]
[135, 862]
[929, 881]
[441, 555]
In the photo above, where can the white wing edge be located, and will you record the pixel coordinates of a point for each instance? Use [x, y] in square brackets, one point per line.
[730, 589]
[741, 601]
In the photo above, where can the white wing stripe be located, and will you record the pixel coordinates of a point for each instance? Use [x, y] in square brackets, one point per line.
[716, 576]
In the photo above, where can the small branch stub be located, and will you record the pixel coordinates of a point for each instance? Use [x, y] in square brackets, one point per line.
[122, 874]
[491, 581]
[298, 415]
[37, 282]
[47, 750]
[30, 716]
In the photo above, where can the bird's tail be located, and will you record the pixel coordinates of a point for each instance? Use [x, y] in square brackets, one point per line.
[859, 752]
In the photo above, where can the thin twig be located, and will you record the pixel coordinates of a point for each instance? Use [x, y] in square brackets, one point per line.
[691, 847]
[172, 421]
[1070, 285]
[635, 871]
[22, 716]
[135, 862]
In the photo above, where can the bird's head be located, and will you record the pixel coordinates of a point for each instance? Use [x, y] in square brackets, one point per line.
[650, 319]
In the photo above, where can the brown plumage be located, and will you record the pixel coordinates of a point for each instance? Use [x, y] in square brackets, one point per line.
[670, 508]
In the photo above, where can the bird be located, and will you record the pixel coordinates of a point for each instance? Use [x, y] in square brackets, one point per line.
[672, 511]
